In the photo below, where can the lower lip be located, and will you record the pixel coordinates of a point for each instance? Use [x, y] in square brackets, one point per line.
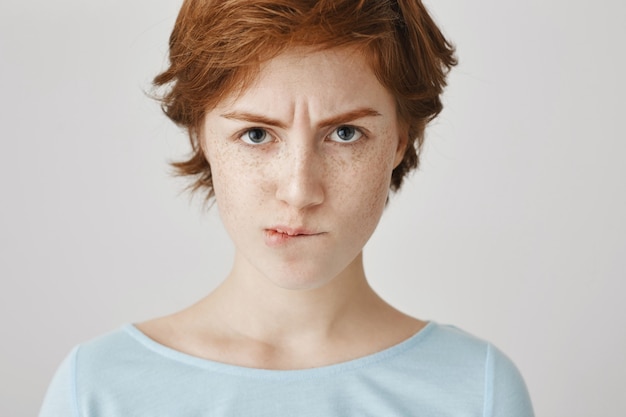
[274, 238]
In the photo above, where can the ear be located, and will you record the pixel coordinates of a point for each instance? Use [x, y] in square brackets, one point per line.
[403, 141]
[197, 133]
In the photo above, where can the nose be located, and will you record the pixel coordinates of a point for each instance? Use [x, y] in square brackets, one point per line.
[300, 182]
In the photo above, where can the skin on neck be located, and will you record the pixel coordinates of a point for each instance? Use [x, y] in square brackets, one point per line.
[255, 307]
[249, 321]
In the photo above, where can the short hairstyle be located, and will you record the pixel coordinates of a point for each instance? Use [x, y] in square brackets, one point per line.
[217, 47]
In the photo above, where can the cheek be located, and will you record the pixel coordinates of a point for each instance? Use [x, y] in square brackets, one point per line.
[366, 186]
[374, 192]
[230, 175]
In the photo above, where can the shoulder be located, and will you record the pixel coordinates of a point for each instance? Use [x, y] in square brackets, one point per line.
[113, 372]
[447, 347]
[104, 359]
[123, 356]
[80, 368]
[456, 353]
[110, 346]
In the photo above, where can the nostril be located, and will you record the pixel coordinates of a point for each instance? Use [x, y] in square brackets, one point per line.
[301, 189]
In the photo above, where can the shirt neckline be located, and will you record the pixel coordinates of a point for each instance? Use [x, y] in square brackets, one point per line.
[292, 374]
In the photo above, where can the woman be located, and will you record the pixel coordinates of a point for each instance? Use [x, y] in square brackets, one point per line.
[302, 115]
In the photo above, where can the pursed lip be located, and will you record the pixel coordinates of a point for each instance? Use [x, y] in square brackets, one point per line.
[291, 231]
[279, 235]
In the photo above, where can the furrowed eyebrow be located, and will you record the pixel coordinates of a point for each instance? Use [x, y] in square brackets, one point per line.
[253, 118]
[349, 117]
[331, 121]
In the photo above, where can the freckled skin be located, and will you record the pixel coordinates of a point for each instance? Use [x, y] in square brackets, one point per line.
[300, 177]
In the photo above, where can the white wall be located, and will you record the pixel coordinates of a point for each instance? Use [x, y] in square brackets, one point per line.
[513, 229]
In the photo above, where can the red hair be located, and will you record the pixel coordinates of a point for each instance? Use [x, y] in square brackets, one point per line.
[217, 47]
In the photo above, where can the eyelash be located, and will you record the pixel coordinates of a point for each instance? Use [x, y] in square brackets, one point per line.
[362, 134]
[241, 135]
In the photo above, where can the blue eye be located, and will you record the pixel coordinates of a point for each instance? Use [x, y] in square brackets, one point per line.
[346, 134]
[255, 136]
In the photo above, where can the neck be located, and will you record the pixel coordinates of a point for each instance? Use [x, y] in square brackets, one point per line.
[250, 321]
[251, 305]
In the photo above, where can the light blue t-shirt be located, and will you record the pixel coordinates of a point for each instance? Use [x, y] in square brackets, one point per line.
[441, 371]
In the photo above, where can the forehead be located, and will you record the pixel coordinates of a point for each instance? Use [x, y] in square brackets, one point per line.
[327, 81]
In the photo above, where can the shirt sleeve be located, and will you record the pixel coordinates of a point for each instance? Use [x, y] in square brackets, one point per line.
[506, 394]
[60, 399]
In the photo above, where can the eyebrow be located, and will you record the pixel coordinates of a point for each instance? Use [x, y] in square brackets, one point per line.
[331, 121]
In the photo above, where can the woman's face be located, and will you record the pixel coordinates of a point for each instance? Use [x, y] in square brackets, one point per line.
[301, 163]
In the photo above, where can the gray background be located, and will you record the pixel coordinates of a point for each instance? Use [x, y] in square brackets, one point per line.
[513, 229]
